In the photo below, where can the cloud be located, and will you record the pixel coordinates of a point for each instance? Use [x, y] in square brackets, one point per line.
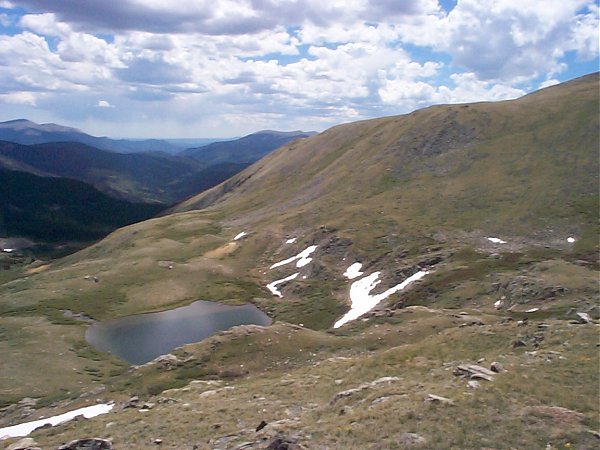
[282, 63]
[222, 17]
[19, 98]
[104, 104]
[548, 83]
[511, 41]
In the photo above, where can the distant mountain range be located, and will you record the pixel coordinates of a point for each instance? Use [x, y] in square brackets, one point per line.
[22, 131]
[247, 149]
[143, 176]
[130, 171]
[147, 177]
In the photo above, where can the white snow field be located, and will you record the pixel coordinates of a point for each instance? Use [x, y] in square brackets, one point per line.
[361, 300]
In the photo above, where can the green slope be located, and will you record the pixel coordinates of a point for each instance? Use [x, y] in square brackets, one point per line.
[524, 168]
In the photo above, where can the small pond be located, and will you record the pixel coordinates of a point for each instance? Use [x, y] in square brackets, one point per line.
[141, 338]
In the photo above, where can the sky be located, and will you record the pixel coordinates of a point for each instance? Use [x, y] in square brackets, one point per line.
[223, 68]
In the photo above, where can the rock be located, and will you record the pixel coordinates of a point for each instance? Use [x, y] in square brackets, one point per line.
[519, 343]
[580, 317]
[23, 444]
[87, 444]
[595, 433]
[148, 405]
[432, 398]
[132, 402]
[166, 264]
[158, 441]
[496, 367]
[362, 387]
[208, 393]
[344, 394]
[473, 384]
[473, 371]
[261, 425]
[167, 361]
[344, 410]
[583, 317]
[28, 402]
[282, 443]
[411, 439]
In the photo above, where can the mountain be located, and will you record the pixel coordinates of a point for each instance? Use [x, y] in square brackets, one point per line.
[133, 175]
[26, 132]
[60, 210]
[491, 209]
[512, 168]
[140, 177]
[247, 149]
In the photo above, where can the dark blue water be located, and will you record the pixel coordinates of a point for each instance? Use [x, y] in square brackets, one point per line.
[141, 338]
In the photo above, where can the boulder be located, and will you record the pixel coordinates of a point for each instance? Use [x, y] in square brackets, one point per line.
[283, 443]
[88, 444]
[496, 367]
[23, 444]
[432, 398]
[473, 371]
[583, 317]
[167, 361]
[362, 387]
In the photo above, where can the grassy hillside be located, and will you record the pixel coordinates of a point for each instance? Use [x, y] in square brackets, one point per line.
[525, 168]
[423, 191]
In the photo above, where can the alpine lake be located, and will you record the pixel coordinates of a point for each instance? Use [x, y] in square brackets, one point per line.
[141, 338]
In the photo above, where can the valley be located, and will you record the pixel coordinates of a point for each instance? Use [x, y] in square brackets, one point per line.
[465, 237]
[40, 171]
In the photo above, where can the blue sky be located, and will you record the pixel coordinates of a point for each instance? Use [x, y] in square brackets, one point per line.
[222, 68]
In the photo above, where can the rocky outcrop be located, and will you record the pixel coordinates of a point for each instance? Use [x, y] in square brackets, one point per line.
[88, 444]
[362, 387]
[473, 372]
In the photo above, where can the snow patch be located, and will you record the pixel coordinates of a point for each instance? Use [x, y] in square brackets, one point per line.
[240, 235]
[290, 241]
[532, 310]
[570, 240]
[353, 271]
[496, 240]
[8, 250]
[272, 286]
[302, 257]
[362, 302]
[25, 428]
